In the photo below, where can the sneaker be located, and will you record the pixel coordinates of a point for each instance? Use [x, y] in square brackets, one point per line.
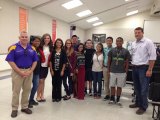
[27, 111]
[119, 103]
[90, 94]
[140, 111]
[107, 97]
[111, 102]
[133, 106]
[14, 113]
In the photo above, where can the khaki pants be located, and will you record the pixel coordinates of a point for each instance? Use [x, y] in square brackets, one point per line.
[106, 81]
[19, 82]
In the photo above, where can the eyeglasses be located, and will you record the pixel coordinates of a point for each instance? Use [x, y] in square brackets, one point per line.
[25, 51]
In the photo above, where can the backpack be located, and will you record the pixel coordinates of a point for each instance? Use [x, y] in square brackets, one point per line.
[154, 92]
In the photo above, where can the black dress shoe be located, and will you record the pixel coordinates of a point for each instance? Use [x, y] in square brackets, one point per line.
[58, 100]
[14, 113]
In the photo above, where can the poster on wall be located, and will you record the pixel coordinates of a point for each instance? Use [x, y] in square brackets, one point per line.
[54, 30]
[23, 20]
[98, 38]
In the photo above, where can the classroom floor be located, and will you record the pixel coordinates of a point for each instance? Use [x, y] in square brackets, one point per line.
[73, 109]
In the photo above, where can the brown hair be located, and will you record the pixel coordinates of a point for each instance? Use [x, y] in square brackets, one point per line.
[58, 39]
[71, 50]
[50, 44]
[139, 28]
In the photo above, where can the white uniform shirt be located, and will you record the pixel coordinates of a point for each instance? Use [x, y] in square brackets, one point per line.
[142, 51]
[97, 63]
[46, 54]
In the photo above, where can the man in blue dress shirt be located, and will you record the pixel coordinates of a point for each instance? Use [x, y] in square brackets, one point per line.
[143, 58]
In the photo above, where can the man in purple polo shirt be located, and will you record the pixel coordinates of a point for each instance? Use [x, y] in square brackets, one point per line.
[23, 59]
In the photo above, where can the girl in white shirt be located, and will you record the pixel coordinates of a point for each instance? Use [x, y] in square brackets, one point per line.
[47, 47]
[97, 70]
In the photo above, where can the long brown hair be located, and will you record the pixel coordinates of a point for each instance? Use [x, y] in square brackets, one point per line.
[50, 44]
[71, 50]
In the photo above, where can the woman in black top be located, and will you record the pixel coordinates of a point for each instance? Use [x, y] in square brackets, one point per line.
[57, 66]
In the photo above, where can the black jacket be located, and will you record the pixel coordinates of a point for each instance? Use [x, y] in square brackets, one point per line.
[63, 59]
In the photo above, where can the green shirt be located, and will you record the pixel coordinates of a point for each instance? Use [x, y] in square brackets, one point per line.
[105, 57]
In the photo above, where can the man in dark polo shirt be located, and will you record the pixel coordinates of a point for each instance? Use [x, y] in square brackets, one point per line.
[75, 42]
[23, 59]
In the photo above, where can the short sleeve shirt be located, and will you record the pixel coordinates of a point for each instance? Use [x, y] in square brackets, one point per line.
[106, 51]
[23, 58]
[118, 58]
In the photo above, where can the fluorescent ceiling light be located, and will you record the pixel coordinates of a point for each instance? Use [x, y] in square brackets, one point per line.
[131, 13]
[72, 4]
[98, 23]
[126, 0]
[92, 19]
[84, 13]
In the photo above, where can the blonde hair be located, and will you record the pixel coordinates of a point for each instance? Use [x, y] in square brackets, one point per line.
[71, 50]
[23, 32]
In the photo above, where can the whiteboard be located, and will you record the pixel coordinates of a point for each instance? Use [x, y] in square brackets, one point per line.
[152, 30]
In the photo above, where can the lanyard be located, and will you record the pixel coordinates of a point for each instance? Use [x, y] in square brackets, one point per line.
[118, 54]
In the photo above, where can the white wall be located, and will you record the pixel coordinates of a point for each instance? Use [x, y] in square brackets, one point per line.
[123, 27]
[38, 24]
[81, 34]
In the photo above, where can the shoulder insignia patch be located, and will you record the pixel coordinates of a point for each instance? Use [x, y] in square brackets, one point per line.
[33, 48]
[12, 47]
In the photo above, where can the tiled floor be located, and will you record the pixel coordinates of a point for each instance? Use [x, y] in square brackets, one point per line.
[88, 109]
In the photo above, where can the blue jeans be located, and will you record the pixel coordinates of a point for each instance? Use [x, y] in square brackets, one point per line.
[68, 87]
[141, 86]
[97, 78]
[35, 82]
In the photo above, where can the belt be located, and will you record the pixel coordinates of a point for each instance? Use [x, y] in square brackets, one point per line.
[137, 66]
[24, 67]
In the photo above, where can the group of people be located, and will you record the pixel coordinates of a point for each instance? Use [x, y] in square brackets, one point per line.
[77, 65]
